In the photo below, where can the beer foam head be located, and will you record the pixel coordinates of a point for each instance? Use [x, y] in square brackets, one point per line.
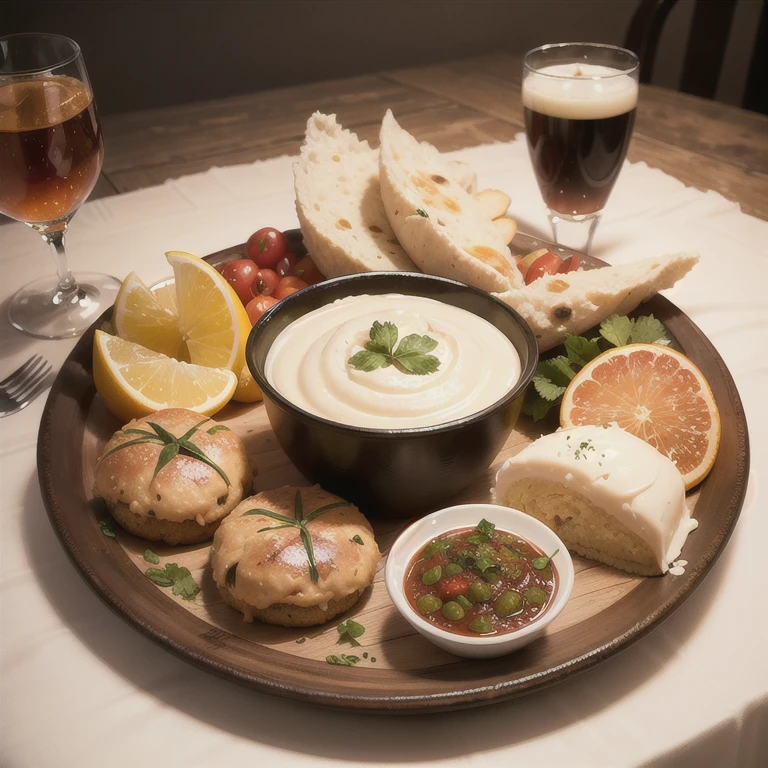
[579, 91]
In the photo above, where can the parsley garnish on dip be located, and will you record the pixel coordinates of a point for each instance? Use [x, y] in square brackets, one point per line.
[392, 362]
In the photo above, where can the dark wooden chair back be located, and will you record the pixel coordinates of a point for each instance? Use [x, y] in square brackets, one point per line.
[705, 49]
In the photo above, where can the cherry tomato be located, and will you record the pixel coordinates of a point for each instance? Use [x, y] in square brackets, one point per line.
[307, 270]
[240, 274]
[266, 247]
[285, 265]
[287, 286]
[265, 283]
[453, 586]
[258, 306]
[571, 264]
[547, 264]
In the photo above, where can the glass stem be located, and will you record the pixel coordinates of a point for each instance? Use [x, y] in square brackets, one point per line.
[574, 232]
[55, 239]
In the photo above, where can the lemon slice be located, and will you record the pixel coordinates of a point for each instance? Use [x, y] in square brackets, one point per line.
[134, 381]
[213, 322]
[149, 318]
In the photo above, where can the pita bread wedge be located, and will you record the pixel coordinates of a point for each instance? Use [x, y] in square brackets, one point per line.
[443, 230]
[555, 305]
[339, 205]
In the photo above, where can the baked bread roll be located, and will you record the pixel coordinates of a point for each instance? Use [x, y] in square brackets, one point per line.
[609, 495]
[183, 500]
[442, 228]
[339, 206]
[262, 566]
[554, 305]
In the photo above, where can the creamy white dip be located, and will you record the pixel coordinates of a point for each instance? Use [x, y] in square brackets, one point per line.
[308, 363]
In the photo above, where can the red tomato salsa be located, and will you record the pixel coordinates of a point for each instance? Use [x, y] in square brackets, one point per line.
[480, 581]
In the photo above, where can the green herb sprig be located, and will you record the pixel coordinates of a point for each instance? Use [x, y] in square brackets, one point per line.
[343, 660]
[349, 631]
[176, 576]
[410, 356]
[540, 563]
[172, 446]
[300, 522]
[553, 375]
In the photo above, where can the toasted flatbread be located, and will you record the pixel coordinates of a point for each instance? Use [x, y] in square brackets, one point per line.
[339, 206]
[440, 226]
[555, 305]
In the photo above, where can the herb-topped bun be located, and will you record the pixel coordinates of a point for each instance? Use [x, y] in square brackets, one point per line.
[172, 476]
[294, 556]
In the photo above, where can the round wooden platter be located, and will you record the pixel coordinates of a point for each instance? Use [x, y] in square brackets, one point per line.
[402, 671]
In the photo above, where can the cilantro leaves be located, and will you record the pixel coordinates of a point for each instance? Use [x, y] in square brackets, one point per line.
[176, 576]
[410, 356]
[349, 631]
[553, 375]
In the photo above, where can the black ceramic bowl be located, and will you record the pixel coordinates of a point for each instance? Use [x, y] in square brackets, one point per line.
[395, 472]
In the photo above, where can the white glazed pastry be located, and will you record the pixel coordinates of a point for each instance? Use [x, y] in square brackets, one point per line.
[609, 495]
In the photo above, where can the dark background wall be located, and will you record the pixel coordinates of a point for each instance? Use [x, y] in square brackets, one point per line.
[153, 53]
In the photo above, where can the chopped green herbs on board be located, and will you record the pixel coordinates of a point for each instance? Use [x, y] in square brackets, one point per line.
[349, 631]
[107, 529]
[555, 373]
[342, 660]
[175, 576]
[151, 557]
[422, 213]
[410, 356]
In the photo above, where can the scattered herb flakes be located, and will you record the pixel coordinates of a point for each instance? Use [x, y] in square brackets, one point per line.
[301, 640]
[349, 631]
[175, 576]
[422, 213]
[540, 563]
[151, 557]
[410, 356]
[357, 540]
[107, 529]
[218, 428]
[343, 660]
[373, 659]
[365, 654]
[554, 374]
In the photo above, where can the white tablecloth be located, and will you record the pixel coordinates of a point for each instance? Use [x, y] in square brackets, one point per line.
[80, 688]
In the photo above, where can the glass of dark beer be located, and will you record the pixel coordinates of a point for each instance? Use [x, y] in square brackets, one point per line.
[51, 151]
[579, 104]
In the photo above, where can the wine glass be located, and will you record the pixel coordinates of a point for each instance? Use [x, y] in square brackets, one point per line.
[51, 151]
[579, 104]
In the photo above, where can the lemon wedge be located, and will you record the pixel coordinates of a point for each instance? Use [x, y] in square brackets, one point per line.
[213, 322]
[149, 318]
[134, 381]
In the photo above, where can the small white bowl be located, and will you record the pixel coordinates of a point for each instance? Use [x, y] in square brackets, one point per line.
[464, 516]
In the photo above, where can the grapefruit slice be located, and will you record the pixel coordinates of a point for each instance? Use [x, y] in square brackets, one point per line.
[655, 393]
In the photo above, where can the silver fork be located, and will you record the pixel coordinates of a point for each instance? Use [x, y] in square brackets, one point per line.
[19, 389]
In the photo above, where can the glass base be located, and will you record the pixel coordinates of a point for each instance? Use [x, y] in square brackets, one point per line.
[40, 309]
[574, 232]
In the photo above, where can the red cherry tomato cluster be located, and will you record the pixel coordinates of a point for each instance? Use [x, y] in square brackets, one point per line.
[269, 273]
[533, 267]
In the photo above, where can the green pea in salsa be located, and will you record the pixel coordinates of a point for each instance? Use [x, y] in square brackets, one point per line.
[480, 581]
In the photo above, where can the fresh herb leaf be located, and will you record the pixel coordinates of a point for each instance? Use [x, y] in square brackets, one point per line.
[485, 527]
[349, 631]
[151, 557]
[422, 213]
[434, 547]
[548, 390]
[478, 538]
[410, 356]
[218, 428]
[356, 538]
[464, 602]
[557, 369]
[616, 330]
[468, 560]
[535, 405]
[383, 337]
[107, 529]
[175, 576]
[168, 452]
[648, 330]
[540, 563]
[342, 660]
[581, 350]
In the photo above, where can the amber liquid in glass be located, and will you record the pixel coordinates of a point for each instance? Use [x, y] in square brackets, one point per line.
[51, 148]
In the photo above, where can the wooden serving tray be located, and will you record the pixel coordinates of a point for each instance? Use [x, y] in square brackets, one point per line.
[607, 612]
